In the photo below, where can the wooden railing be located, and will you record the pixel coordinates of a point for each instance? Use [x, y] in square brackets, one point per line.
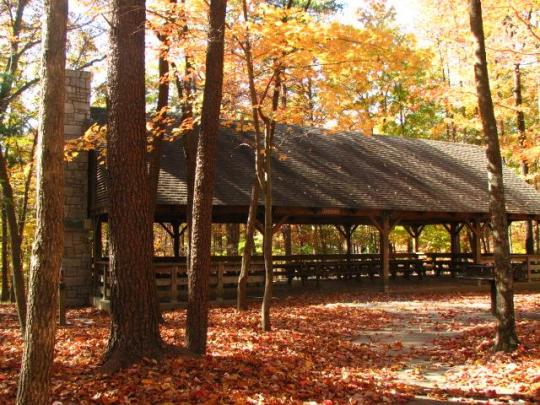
[172, 283]
[528, 266]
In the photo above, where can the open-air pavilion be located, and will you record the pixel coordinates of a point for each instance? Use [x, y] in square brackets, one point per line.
[342, 179]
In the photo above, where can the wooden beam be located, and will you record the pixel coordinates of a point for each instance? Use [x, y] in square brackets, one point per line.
[277, 227]
[375, 221]
[166, 229]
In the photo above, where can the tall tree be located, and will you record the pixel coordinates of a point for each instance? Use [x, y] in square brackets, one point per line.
[21, 34]
[5, 270]
[134, 310]
[48, 246]
[522, 138]
[506, 337]
[200, 260]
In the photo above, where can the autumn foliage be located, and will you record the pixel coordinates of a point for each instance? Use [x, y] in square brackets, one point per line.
[316, 353]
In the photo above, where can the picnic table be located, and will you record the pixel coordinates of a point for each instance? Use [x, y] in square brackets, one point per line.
[407, 266]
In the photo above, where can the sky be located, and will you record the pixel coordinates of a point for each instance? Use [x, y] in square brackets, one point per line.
[408, 12]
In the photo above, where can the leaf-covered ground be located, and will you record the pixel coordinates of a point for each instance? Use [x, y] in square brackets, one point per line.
[325, 348]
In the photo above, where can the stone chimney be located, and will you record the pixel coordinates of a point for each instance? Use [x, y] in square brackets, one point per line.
[76, 263]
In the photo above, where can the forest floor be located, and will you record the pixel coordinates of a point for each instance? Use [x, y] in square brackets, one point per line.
[325, 347]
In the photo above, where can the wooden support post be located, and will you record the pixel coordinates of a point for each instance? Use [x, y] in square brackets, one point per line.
[385, 225]
[347, 231]
[105, 281]
[476, 229]
[97, 240]
[96, 253]
[287, 239]
[176, 238]
[385, 251]
[62, 302]
[415, 231]
[454, 240]
[537, 237]
[220, 287]
[174, 284]
[529, 239]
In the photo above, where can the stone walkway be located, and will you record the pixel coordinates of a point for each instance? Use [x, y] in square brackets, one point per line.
[419, 328]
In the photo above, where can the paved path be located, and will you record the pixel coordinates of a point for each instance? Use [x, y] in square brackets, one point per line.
[418, 327]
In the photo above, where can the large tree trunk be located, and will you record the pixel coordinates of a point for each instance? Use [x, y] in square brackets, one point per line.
[506, 338]
[200, 260]
[241, 300]
[5, 269]
[34, 379]
[134, 315]
[15, 243]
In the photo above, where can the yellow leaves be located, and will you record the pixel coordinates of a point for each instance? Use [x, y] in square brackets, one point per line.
[93, 138]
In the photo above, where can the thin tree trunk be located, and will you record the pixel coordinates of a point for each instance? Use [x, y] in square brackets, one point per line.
[6, 88]
[241, 301]
[259, 181]
[26, 194]
[200, 260]
[34, 379]
[270, 126]
[524, 165]
[134, 315]
[5, 269]
[268, 235]
[161, 126]
[506, 338]
[15, 243]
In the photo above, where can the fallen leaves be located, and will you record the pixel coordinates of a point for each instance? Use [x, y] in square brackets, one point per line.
[310, 357]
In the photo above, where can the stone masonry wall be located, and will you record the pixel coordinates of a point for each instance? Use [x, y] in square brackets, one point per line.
[76, 264]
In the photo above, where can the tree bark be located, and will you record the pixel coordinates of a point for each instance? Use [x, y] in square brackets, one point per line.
[259, 182]
[241, 300]
[270, 126]
[6, 89]
[161, 125]
[524, 165]
[15, 243]
[134, 315]
[268, 235]
[5, 269]
[506, 337]
[38, 353]
[200, 260]
[26, 194]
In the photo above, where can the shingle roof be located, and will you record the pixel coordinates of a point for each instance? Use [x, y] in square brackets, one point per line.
[314, 168]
